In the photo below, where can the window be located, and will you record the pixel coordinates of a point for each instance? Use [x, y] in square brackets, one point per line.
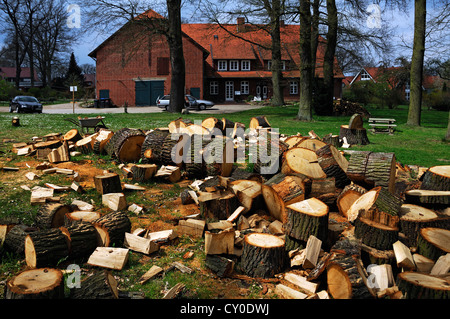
[214, 87]
[234, 65]
[245, 65]
[293, 88]
[222, 65]
[269, 65]
[364, 75]
[244, 87]
[162, 66]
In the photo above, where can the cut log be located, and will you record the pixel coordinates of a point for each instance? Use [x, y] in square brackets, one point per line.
[312, 144]
[111, 228]
[81, 238]
[347, 197]
[60, 154]
[194, 161]
[289, 293]
[171, 174]
[381, 277]
[143, 172]
[334, 164]
[152, 272]
[280, 191]
[221, 266]
[192, 227]
[48, 144]
[45, 248]
[306, 218]
[219, 208]
[412, 219]
[108, 183]
[312, 252]
[301, 282]
[376, 235]
[80, 216]
[115, 201]
[263, 255]
[371, 169]
[429, 198]
[292, 141]
[109, 257]
[15, 239]
[357, 136]
[219, 243]
[267, 154]
[442, 266]
[403, 256]
[219, 156]
[42, 283]
[101, 140]
[214, 125]
[175, 125]
[433, 242]
[152, 147]
[302, 162]
[436, 178]
[126, 145]
[423, 264]
[140, 244]
[416, 285]
[248, 193]
[99, 285]
[51, 215]
[378, 205]
[258, 122]
[86, 145]
[332, 140]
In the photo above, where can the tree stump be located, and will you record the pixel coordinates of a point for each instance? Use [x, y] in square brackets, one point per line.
[45, 248]
[302, 162]
[143, 172]
[433, 242]
[264, 255]
[334, 164]
[280, 191]
[15, 238]
[52, 215]
[412, 219]
[72, 135]
[82, 239]
[259, 121]
[415, 285]
[332, 140]
[99, 285]
[126, 145]
[108, 183]
[306, 218]
[15, 121]
[80, 216]
[378, 205]
[219, 208]
[378, 236]
[436, 178]
[152, 146]
[357, 136]
[347, 197]
[111, 229]
[42, 283]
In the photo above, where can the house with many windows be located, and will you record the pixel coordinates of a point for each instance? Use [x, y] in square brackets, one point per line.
[9, 75]
[224, 63]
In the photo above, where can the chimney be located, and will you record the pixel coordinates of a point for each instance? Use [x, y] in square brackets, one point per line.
[240, 24]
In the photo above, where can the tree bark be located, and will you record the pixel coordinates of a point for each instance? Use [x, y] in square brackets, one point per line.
[277, 75]
[416, 74]
[177, 63]
[416, 285]
[306, 67]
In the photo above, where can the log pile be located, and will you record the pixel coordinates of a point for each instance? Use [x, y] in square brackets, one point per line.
[318, 221]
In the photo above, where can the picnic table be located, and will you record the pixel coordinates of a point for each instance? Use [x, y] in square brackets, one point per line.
[382, 125]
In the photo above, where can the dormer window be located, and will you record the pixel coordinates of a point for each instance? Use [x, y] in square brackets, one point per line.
[222, 65]
[269, 65]
[364, 75]
[234, 65]
[245, 65]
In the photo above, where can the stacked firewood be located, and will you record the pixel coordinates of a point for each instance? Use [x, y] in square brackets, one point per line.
[348, 108]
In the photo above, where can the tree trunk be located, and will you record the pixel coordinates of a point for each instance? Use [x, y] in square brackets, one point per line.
[277, 75]
[177, 63]
[416, 73]
[306, 68]
[447, 135]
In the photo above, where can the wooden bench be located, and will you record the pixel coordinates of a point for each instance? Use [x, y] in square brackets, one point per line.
[382, 125]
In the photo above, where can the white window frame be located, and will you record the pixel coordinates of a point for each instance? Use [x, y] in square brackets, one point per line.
[214, 87]
[234, 63]
[365, 75]
[293, 87]
[245, 65]
[222, 65]
[245, 87]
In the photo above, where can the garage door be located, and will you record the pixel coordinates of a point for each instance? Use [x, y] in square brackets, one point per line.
[148, 91]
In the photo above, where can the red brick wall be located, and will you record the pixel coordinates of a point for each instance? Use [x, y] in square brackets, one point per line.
[131, 55]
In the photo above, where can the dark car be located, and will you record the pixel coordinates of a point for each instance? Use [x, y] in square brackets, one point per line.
[22, 104]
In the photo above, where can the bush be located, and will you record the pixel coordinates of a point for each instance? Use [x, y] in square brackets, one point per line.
[438, 100]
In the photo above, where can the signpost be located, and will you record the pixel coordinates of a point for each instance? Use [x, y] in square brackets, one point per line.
[73, 89]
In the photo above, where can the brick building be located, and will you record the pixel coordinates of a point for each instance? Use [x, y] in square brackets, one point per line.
[134, 67]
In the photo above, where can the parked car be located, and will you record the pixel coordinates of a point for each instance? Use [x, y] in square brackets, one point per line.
[191, 102]
[22, 104]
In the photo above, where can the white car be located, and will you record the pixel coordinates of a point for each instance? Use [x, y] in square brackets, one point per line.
[163, 102]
